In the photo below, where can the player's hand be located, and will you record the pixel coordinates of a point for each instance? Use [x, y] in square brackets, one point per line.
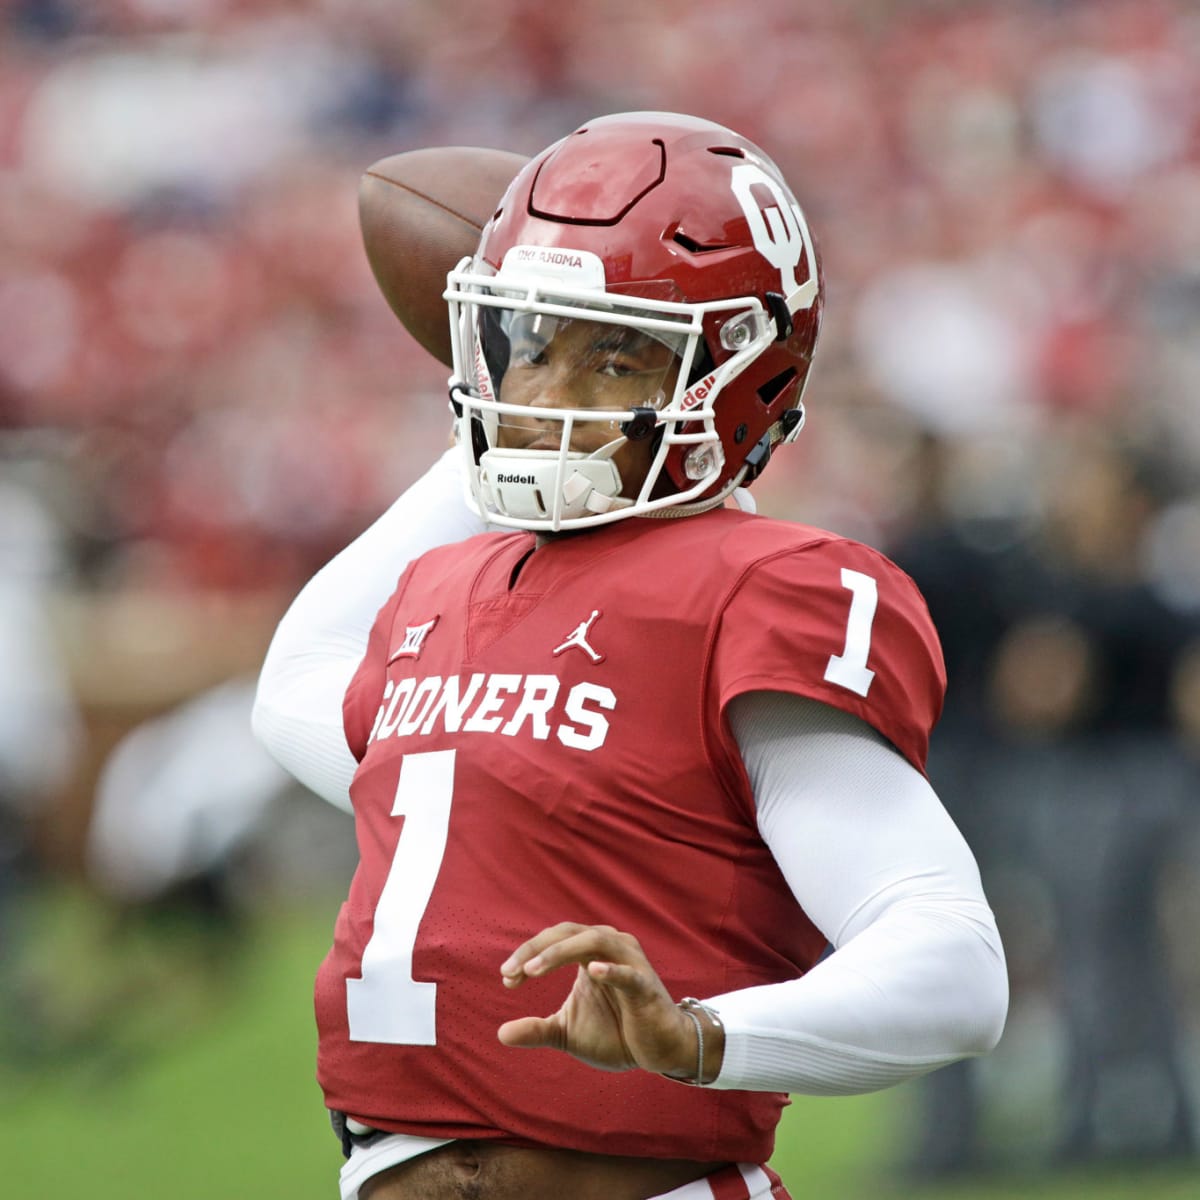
[618, 1014]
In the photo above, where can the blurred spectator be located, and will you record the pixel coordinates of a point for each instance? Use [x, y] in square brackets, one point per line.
[40, 728]
[180, 796]
[39, 725]
[1061, 751]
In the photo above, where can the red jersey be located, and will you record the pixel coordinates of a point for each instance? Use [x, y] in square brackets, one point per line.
[542, 737]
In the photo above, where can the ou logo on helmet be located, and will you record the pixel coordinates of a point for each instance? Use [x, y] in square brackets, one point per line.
[779, 232]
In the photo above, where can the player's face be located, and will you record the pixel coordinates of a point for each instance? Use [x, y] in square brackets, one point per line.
[560, 364]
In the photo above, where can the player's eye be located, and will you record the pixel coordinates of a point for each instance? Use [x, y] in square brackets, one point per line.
[529, 335]
[622, 354]
[616, 367]
[527, 354]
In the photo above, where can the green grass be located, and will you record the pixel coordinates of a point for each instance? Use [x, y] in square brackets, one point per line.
[200, 1084]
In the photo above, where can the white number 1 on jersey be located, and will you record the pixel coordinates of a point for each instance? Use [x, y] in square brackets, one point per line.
[387, 1004]
[849, 669]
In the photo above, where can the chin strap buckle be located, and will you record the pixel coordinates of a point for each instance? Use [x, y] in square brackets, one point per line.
[783, 319]
[786, 429]
[641, 424]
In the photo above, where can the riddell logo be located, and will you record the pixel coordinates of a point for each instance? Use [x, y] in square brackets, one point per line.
[502, 478]
[698, 392]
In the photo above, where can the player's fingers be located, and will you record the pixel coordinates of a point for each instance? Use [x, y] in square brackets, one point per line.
[513, 966]
[637, 984]
[531, 1032]
[565, 942]
[588, 944]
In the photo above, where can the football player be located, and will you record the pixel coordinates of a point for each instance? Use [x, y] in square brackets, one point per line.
[642, 760]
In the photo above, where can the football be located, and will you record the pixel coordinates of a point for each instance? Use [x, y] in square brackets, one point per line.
[420, 212]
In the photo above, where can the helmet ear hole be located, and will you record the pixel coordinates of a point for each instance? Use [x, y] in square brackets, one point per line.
[775, 387]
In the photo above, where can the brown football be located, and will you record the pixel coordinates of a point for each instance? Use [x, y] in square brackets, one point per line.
[421, 212]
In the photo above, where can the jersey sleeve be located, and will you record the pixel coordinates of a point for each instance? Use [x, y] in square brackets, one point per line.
[838, 622]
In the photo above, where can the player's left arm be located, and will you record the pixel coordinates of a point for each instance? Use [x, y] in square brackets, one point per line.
[831, 675]
[917, 976]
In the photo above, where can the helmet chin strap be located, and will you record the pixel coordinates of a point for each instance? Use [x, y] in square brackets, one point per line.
[732, 488]
[521, 483]
[784, 430]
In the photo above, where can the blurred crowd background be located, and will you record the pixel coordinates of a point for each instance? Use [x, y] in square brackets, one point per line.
[203, 395]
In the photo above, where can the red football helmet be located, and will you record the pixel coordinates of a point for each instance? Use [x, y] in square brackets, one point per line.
[634, 334]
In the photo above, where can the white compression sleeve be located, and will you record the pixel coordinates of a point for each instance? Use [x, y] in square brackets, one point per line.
[323, 635]
[917, 978]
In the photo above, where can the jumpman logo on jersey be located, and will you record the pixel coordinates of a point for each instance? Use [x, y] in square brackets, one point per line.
[414, 639]
[579, 639]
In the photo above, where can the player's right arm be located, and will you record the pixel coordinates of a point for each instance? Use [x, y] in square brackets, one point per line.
[323, 635]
